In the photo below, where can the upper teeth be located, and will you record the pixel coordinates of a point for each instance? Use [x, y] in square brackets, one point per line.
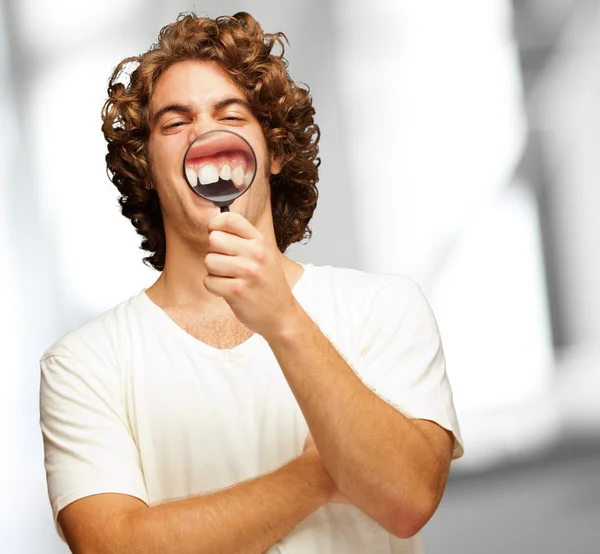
[208, 174]
[225, 172]
[191, 176]
[237, 176]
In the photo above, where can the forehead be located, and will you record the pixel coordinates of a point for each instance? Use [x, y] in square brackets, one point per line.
[194, 82]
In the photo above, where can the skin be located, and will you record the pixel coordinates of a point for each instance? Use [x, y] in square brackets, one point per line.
[201, 85]
[227, 268]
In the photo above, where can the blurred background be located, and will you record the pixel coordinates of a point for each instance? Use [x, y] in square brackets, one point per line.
[460, 146]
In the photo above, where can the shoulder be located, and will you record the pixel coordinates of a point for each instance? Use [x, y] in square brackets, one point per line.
[364, 284]
[100, 340]
[373, 300]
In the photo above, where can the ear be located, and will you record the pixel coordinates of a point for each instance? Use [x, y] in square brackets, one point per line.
[276, 166]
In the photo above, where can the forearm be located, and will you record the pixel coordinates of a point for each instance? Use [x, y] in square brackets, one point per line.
[246, 518]
[356, 432]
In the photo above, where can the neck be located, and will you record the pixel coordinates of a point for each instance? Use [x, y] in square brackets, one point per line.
[181, 283]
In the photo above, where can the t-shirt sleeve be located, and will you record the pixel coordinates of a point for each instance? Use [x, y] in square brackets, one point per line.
[402, 359]
[88, 445]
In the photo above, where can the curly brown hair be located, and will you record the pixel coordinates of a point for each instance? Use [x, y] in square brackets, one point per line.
[284, 110]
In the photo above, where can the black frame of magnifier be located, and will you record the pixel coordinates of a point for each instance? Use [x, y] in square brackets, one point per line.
[224, 205]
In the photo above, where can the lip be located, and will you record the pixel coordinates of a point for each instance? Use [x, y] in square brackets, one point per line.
[220, 141]
[219, 158]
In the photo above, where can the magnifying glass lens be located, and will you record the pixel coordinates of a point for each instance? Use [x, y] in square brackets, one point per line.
[219, 166]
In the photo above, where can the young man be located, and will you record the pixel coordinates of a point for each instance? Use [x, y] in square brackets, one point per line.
[244, 402]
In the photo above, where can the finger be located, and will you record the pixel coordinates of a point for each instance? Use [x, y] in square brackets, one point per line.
[234, 223]
[222, 242]
[219, 286]
[221, 265]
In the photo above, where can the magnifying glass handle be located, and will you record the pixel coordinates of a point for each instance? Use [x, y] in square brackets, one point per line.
[224, 209]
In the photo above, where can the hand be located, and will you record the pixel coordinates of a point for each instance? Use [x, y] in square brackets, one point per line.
[311, 448]
[247, 272]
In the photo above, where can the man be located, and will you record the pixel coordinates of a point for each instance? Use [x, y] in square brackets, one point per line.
[244, 402]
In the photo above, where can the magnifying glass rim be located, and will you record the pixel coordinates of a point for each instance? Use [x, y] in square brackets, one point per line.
[216, 202]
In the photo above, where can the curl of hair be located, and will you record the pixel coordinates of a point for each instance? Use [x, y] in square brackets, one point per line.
[283, 109]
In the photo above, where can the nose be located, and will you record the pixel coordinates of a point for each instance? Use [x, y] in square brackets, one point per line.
[198, 131]
[202, 124]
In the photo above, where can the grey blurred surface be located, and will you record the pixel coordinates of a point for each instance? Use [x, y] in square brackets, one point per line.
[549, 504]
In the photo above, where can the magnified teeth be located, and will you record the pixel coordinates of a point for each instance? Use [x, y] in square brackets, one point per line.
[225, 172]
[208, 174]
[237, 176]
[191, 176]
[247, 178]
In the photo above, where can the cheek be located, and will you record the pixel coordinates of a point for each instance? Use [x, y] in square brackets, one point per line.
[156, 152]
[164, 158]
[153, 153]
[259, 145]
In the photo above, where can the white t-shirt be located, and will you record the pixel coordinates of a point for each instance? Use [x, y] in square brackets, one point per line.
[133, 404]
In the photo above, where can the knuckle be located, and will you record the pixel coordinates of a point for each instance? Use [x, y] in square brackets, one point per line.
[251, 270]
[260, 254]
[237, 288]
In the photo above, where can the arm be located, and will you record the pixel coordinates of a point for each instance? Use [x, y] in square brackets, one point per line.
[246, 518]
[391, 467]
[90, 456]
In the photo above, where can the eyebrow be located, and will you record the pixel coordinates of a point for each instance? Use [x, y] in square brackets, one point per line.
[186, 109]
[229, 101]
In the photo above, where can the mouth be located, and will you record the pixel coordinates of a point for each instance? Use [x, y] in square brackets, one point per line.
[225, 158]
[228, 165]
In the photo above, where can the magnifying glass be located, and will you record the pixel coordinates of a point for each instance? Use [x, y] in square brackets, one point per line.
[219, 166]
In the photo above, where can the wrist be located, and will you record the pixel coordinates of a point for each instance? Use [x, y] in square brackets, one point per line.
[290, 326]
[317, 473]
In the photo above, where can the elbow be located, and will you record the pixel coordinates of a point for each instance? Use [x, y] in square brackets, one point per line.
[407, 520]
[407, 527]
